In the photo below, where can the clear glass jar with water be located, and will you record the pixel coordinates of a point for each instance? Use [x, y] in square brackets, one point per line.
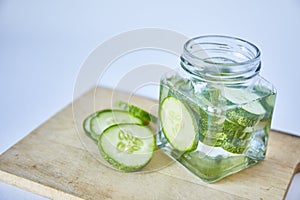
[215, 112]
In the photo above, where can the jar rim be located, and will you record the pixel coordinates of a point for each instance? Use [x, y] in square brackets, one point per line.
[253, 59]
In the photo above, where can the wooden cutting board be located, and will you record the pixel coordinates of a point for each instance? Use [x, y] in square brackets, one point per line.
[57, 160]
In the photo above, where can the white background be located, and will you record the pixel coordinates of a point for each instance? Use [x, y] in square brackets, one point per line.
[44, 43]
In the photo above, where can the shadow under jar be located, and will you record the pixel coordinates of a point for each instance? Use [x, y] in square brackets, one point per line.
[215, 111]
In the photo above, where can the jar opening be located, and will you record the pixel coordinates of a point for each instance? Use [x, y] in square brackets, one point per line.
[221, 58]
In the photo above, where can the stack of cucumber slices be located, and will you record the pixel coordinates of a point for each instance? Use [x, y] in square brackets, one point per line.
[123, 137]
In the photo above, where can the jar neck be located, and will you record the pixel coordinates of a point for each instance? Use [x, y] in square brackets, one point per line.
[221, 59]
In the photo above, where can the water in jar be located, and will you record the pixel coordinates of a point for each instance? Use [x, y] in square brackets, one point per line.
[232, 124]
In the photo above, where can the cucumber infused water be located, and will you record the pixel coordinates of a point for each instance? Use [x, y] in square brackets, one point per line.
[227, 138]
[215, 113]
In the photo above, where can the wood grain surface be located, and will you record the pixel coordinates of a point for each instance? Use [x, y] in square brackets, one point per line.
[57, 160]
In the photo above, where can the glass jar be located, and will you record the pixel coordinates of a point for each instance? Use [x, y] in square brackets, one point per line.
[215, 111]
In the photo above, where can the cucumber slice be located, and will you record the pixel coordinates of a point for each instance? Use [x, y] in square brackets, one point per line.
[137, 112]
[249, 110]
[244, 97]
[87, 124]
[106, 118]
[127, 147]
[242, 117]
[178, 125]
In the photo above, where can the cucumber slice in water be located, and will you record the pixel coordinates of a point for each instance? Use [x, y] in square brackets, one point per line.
[127, 147]
[106, 118]
[178, 124]
[247, 99]
[249, 110]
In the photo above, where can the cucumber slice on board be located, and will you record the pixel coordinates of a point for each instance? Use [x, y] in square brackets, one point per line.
[178, 124]
[106, 118]
[87, 124]
[127, 147]
[145, 116]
